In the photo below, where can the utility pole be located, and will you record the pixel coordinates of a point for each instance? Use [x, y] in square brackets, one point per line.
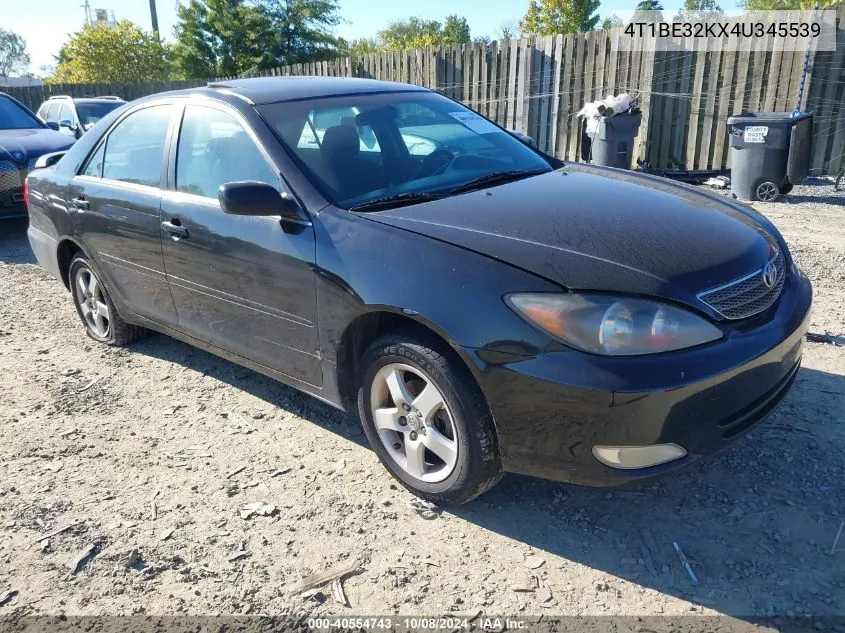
[87, 8]
[154, 16]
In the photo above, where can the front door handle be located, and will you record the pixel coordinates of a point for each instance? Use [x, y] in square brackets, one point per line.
[175, 228]
[80, 204]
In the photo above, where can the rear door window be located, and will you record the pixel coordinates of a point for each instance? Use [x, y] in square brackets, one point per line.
[134, 149]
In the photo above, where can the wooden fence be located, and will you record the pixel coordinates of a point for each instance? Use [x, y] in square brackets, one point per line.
[536, 86]
[33, 96]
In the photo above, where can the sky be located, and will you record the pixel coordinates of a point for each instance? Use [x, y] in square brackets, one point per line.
[45, 24]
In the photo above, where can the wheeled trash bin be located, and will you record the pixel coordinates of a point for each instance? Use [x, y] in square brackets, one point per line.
[770, 152]
[612, 144]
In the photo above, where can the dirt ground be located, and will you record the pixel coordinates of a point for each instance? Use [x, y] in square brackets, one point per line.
[148, 453]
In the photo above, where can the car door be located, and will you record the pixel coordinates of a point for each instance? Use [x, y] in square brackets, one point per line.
[245, 284]
[115, 201]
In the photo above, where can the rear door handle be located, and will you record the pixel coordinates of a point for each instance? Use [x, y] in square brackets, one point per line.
[175, 228]
[80, 204]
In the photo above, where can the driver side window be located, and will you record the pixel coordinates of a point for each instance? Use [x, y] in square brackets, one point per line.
[214, 148]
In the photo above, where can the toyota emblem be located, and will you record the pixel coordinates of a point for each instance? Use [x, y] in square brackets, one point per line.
[770, 275]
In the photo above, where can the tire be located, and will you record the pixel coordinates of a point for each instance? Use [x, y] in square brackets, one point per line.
[461, 427]
[766, 191]
[95, 307]
[785, 188]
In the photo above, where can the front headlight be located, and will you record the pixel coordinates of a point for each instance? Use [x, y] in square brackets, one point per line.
[614, 326]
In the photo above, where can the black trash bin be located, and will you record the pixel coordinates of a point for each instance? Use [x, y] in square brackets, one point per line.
[770, 152]
[612, 145]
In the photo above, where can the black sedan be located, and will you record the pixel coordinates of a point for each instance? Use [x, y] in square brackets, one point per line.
[483, 307]
[23, 139]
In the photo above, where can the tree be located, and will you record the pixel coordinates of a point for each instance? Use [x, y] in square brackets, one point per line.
[359, 47]
[123, 54]
[411, 33]
[217, 38]
[785, 5]
[13, 56]
[455, 31]
[696, 9]
[552, 17]
[299, 31]
[648, 11]
[613, 22]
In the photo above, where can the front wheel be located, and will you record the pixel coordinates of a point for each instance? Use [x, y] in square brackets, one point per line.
[427, 420]
[95, 307]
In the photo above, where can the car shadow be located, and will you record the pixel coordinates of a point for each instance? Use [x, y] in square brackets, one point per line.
[756, 521]
[14, 245]
[254, 383]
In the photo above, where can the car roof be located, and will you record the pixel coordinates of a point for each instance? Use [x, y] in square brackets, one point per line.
[98, 100]
[262, 90]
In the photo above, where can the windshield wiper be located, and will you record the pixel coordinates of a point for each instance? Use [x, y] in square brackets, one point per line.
[396, 200]
[497, 178]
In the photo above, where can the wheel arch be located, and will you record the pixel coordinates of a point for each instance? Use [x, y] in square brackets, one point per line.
[65, 252]
[368, 327]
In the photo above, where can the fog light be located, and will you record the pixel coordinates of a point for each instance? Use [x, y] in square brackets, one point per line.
[627, 457]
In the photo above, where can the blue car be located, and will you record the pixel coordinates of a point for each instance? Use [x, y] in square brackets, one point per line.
[23, 138]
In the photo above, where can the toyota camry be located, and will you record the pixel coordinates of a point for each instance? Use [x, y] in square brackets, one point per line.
[482, 307]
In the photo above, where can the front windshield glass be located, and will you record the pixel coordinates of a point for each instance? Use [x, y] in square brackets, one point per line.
[90, 113]
[14, 117]
[362, 148]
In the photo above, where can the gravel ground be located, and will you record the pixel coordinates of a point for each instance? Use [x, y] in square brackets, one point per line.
[147, 454]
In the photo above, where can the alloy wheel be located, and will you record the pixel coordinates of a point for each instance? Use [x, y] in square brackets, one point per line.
[414, 423]
[88, 292]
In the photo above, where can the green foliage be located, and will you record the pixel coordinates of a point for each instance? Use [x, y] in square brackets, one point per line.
[648, 5]
[124, 54]
[455, 31]
[360, 47]
[786, 5]
[13, 55]
[411, 33]
[299, 31]
[552, 17]
[693, 9]
[613, 22]
[217, 38]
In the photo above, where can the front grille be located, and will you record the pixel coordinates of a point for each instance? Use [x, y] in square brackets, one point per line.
[748, 295]
[11, 187]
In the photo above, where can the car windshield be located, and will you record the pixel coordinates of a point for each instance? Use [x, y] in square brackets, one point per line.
[91, 112]
[14, 117]
[388, 147]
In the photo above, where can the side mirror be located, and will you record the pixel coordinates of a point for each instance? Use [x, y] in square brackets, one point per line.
[66, 123]
[249, 197]
[53, 125]
[48, 160]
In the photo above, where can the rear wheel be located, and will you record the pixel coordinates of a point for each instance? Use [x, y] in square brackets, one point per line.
[427, 420]
[95, 307]
[785, 188]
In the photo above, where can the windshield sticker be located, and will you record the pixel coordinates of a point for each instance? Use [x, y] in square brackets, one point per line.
[474, 122]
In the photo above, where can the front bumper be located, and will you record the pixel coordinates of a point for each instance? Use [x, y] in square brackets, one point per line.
[552, 409]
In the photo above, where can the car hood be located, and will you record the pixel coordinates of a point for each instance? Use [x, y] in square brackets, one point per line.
[591, 228]
[22, 146]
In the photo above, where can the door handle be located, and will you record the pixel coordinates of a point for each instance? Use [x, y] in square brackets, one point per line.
[175, 228]
[80, 204]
